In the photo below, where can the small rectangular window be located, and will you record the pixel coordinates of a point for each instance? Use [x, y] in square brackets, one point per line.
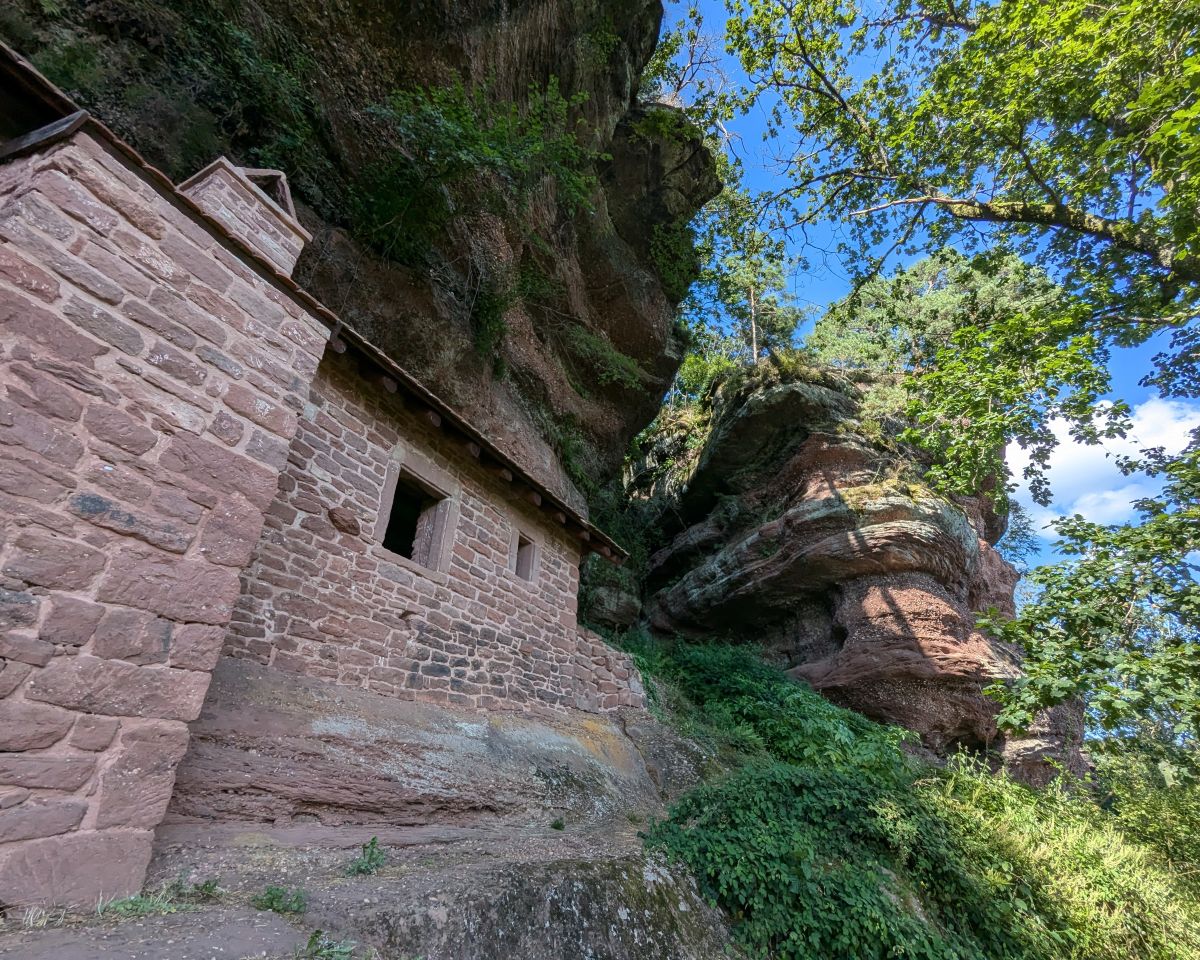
[414, 522]
[525, 557]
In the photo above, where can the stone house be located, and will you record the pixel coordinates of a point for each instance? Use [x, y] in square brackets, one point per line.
[198, 459]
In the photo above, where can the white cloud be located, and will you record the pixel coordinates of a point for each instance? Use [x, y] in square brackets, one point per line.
[1085, 479]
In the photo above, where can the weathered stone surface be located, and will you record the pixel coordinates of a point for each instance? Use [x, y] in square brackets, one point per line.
[196, 646]
[345, 520]
[29, 726]
[50, 561]
[612, 606]
[231, 532]
[274, 746]
[146, 527]
[24, 647]
[41, 819]
[18, 609]
[93, 733]
[133, 635]
[116, 688]
[54, 773]
[71, 621]
[74, 870]
[121, 430]
[220, 469]
[187, 590]
[135, 786]
[865, 588]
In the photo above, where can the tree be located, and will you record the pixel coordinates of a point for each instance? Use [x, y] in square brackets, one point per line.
[1063, 132]
[1118, 623]
[1066, 134]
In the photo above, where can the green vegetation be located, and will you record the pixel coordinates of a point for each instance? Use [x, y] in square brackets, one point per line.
[171, 897]
[456, 144]
[369, 860]
[558, 824]
[824, 839]
[321, 946]
[610, 366]
[280, 900]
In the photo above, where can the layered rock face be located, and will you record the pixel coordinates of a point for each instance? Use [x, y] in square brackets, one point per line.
[790, 528]
[296, 86]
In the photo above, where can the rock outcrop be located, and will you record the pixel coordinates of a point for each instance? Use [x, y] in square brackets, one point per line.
[796, 528]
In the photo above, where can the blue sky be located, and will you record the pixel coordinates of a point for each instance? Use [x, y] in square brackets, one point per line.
[1084, 479]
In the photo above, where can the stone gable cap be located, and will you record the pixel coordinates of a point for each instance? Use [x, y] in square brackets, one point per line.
[254, 180]
[21, 82]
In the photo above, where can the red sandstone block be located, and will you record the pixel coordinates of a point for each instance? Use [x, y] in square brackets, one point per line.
[113, 426]
[46, 395]
[226, 428]
[231, 532]
[71, 621]
[93, 733]
[147, 317]
[105, 864]
[53, 561]
[21, 273]
[25, 428]
[31, 478]
[135, 787]
[150, 258]
[31, 726]
[76, 202]
[47, 773]
[178, 365]
[12, 675]
[199, 263]
[103, 325]
[164, 534]
[131, 282]
[220, 469]
[41, 818]
[109, 190]
[117, 688]
[132, 635]
[181, 311]
[193, 591]
[195, 646]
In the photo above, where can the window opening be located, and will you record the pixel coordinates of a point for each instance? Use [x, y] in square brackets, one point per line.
[413, 522]
[525, 557]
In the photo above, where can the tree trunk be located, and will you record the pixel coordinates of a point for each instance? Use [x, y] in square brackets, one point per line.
[753, 330]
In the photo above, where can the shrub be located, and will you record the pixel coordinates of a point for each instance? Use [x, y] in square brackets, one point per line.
[827, 841]
[368, 861]
[608, 363]
[454, 140]
[280, 900]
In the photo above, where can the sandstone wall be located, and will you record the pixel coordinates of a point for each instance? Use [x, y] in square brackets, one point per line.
[324, 599]
[151, 383]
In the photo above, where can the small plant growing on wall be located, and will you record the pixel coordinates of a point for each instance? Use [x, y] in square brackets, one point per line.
[454, 141]
[368, 861]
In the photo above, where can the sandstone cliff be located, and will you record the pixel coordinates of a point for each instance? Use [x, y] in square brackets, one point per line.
[567, 372]
[784, 519]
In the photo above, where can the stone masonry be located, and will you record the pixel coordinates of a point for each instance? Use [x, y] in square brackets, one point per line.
[164, 389]
[323, 598]
[150, 389]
